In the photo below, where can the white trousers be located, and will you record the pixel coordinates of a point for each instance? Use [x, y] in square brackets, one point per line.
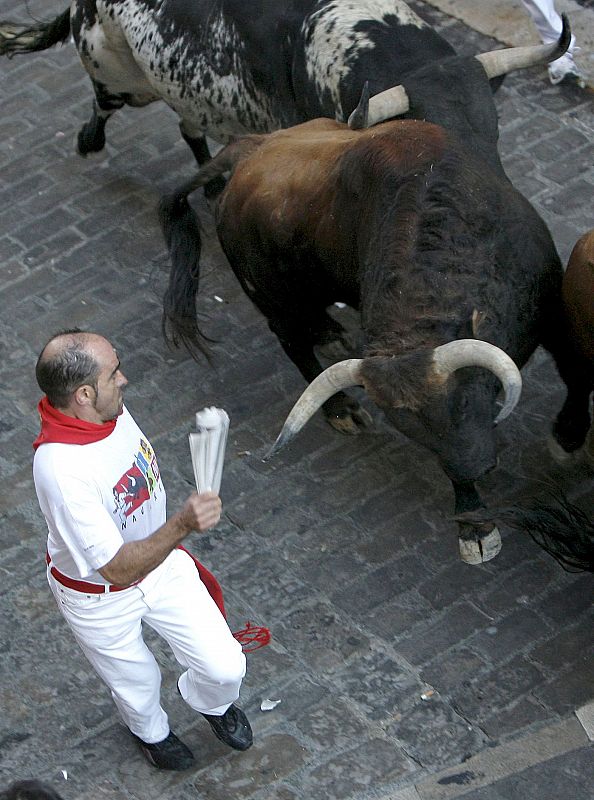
[548, 22]
[175, 603]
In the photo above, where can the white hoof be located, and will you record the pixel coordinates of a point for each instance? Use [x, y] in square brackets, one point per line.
[476, 552]
[560, 455]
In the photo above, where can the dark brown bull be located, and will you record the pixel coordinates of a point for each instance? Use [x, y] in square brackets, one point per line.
[578, 300]
[578, 295]
[578, 304]
[456, 278]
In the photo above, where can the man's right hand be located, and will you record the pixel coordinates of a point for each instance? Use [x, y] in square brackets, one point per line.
[201, 511]
[134, 560]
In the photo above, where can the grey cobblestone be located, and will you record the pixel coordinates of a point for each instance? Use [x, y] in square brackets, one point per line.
[343, 547]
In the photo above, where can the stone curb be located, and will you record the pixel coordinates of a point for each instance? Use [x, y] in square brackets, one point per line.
[496, 763]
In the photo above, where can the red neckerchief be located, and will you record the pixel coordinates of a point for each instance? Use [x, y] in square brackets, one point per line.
[59, 427]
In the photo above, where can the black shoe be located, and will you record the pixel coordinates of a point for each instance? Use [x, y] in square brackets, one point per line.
[171, 753]
[232, 728]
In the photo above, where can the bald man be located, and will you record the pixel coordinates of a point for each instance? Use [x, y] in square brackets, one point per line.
[114, 559]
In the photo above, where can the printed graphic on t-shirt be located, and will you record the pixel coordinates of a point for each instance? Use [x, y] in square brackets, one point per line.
[137, 485]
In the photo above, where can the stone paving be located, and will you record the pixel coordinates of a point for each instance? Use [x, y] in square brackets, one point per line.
[343, 547]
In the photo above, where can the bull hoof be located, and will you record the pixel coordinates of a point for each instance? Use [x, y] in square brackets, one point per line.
[351, 421]
[89, 140]
[214, 187]
[559, 455]
[478, 550]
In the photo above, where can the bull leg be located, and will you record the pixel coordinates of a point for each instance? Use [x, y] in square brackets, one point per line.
[332, 340]
[477, 543]
[340, 410]
[573, 421]
[91, 137]
[199, 148]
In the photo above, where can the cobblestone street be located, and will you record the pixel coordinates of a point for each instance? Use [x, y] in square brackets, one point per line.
[403, 673]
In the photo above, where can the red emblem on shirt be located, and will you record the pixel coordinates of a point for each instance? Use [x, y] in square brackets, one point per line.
[131, 491]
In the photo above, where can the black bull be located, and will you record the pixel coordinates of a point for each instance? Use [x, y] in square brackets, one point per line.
[432, 244]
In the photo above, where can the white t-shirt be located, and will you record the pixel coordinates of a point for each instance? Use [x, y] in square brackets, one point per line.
[95, 497]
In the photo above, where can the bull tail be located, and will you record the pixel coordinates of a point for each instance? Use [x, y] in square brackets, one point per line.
[16, 38]
[181, 230]
[559, 527]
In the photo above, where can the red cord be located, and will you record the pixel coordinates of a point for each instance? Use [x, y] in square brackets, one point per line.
[252, 637]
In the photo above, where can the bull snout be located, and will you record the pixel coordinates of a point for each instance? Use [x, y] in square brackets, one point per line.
[469, 466]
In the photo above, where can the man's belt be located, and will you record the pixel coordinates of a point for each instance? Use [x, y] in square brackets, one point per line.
[84, 586]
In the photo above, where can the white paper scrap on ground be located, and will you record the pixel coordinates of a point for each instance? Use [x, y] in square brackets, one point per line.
[207, 447]
[268, 705]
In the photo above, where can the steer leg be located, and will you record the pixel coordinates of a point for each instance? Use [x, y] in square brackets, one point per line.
[91, 137]
[199, 148]
[477, 543]
[340, 410]
[573, 421]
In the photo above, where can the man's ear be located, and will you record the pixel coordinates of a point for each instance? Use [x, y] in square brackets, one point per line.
[84, 395]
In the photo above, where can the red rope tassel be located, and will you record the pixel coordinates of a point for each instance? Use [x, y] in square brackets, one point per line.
[252, 637]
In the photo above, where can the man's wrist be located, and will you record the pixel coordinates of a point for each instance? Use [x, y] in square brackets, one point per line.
[181, 524]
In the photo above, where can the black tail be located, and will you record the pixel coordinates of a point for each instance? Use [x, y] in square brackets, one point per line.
[15, 38]
[559, 527]
[182, 235]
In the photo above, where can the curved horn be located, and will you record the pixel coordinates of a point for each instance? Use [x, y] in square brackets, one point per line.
[500, 62]
[358, 118]
[378, 108]
[475, 353]
[331, 380]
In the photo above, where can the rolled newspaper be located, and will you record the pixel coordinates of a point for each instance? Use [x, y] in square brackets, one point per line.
[207, 446]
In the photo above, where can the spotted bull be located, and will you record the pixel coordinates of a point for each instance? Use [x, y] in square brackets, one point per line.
[230, 67]
[415, 224]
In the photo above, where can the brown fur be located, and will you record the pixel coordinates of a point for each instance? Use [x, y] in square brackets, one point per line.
[578, 294]
[291, 179]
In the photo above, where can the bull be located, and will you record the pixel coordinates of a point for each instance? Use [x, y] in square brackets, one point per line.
[414, 223]
[578, 301]
[578, 296]
[228, 68]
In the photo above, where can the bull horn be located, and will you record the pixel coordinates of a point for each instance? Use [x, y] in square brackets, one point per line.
[336, 377]
[385, 105]
[475, 353]
[500, 62]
